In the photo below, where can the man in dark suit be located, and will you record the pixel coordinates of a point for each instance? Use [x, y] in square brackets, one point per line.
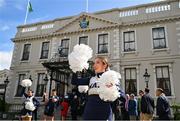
[163, 107]
[147, 106]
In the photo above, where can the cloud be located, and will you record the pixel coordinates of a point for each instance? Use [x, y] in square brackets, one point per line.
[4, 28]
[5, 59]
[2, 3]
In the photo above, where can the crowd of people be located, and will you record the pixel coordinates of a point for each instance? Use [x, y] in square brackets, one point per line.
[126, 107]
[70, 104]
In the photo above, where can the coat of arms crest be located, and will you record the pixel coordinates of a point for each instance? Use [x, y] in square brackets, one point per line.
[84, 23]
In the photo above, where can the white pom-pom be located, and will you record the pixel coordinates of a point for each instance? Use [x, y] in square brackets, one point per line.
[83, 89]
[30, 106]
[108, 90]
[26, 83]
[78, 59]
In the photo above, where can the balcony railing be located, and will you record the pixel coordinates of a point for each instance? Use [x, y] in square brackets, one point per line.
[150, 8]
[159, 8]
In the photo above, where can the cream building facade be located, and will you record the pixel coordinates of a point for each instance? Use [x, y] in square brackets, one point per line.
[133, 39]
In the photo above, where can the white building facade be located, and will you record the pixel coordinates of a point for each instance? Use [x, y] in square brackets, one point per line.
[133, 39]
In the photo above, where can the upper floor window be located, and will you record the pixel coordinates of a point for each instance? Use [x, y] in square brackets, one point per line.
[163, 79]
[129, 41]
[83, 40]
[103, 43]
[131, 81]
[20, 90]
[159, 39]
[64, 47]
[40, 85]
[26, 52]
[44, 50]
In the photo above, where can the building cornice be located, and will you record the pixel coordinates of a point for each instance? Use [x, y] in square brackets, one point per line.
[61, 34]
[174, 18]
[165, 19]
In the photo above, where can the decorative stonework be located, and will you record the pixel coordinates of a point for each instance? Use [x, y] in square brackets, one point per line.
[116, 44]
[87, 16]
[178, 34]
[14, 55]
[54, 48]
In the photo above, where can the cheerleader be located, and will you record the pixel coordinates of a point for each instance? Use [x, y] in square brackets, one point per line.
[50, 106]
[30, 104]
[96, 108]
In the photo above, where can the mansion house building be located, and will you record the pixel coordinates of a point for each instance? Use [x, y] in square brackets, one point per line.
[133, 39]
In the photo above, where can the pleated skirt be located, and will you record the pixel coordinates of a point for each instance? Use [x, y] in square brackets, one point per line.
[97, 109]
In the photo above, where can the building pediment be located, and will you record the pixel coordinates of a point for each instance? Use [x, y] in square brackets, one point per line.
[85, 21]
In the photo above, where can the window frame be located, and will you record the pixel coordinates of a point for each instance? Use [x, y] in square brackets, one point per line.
[67, 48]
[23, 52]
[165, 79]
[158, 39]
[37, 85]
[41, 57]
[125, 42]
[129, 80]
[19, 85]
[83, 37]
[102, 44]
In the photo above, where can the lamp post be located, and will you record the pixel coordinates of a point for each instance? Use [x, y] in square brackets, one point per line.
[4, 98]
[46, 81]
[50, 86]
[31, 81]
[146, 77]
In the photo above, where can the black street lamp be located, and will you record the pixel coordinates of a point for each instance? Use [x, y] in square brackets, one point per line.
[46, 81]
[31, 81]
[4, 97]
[146, 77]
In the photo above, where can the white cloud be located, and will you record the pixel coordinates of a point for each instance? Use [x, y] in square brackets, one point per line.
[5, 60]
[4, 28]
[2, 2]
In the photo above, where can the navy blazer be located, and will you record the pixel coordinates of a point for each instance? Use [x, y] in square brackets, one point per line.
[163, 108]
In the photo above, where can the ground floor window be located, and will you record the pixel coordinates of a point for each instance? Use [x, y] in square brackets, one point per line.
[130, 81]
[163, 79]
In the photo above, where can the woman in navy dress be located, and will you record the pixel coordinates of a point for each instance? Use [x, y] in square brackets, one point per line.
[95, 109]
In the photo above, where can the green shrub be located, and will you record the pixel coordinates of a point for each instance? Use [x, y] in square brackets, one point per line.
[4, 107]
[176, 111]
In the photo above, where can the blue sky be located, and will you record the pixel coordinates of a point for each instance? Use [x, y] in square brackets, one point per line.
[12, 14]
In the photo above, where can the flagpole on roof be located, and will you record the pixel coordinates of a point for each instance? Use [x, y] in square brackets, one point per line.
[87, 6]
[27, 11]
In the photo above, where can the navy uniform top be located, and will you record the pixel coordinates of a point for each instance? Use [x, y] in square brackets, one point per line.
[93, 82]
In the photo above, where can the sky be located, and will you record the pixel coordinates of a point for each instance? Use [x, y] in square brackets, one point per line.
[12, 14]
